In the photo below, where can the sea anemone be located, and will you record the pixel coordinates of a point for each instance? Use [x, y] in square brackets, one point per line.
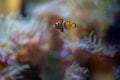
[76, 72]
[12, 72]
[117, 72]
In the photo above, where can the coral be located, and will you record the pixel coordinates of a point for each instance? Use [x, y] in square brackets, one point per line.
[99, 66]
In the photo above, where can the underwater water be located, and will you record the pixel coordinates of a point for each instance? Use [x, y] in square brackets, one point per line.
[60, 40]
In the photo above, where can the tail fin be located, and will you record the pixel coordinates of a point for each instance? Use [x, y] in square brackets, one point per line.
[73, 25]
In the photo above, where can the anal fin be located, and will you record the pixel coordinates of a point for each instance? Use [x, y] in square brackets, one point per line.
[61, 29]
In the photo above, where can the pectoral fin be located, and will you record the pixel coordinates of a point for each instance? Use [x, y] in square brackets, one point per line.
[61, 29]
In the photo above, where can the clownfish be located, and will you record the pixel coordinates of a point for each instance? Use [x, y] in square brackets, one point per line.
[4, 60]
[61, 24]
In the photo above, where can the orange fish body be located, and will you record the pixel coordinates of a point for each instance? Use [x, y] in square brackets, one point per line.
[61, 24]
[3, 59]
